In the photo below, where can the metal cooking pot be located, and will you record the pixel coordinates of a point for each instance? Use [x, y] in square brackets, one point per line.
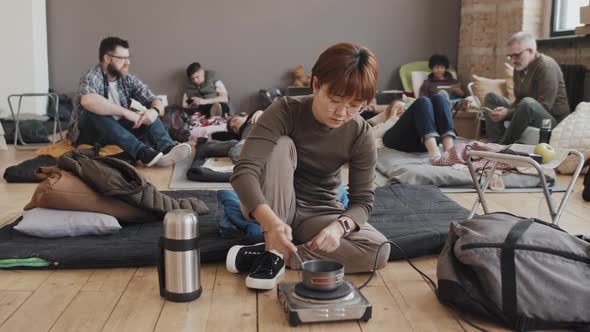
[321, 275]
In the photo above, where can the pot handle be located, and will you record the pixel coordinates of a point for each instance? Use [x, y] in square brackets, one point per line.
[298, 258]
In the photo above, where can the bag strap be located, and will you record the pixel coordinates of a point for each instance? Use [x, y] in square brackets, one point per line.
[508, 269]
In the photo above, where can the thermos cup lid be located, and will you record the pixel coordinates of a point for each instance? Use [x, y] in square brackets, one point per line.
[181, 225]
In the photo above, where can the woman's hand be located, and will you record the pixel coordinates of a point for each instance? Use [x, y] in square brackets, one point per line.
[396, 109]
[279, 238]
[399, 108]
[328, 239]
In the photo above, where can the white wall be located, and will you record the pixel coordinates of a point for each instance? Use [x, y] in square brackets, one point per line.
[23, 57]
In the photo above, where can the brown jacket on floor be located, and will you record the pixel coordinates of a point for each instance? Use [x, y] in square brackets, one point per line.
[63, 190]
[115, 178]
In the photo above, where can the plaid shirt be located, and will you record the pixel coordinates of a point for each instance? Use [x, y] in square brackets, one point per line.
[95, 82]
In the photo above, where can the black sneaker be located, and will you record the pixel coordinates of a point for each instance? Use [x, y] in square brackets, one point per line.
[149, 156]
[266, 270]
[241, 258]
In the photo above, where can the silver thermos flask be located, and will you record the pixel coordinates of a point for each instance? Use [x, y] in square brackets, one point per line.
[179, 267]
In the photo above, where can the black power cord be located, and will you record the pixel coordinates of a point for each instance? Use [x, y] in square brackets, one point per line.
[423, 275]
[427, 278]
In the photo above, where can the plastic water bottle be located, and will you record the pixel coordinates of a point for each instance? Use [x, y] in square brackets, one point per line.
[545, 131]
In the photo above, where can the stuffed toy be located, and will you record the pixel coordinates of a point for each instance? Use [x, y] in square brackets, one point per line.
[300, 78]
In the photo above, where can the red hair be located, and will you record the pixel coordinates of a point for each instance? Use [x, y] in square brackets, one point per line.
[348, 70]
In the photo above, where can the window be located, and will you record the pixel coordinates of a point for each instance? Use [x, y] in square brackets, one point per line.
[565, 16]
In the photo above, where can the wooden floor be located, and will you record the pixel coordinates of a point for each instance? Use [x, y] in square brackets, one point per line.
[128, 299]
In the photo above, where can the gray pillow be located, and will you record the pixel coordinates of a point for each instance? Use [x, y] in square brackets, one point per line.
[49, 223]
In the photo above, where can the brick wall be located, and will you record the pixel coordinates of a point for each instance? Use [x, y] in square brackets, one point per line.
[536, 17]
[486, 26]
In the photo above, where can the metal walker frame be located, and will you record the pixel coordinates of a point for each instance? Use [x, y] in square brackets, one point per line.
[517, 161]
[16, 117]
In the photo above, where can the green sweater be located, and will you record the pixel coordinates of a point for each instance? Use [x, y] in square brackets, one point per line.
[543, 81]
[321, 153]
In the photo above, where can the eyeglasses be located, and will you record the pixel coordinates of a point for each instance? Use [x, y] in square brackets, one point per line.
[516, 55]
[122, 58]
[333, 105]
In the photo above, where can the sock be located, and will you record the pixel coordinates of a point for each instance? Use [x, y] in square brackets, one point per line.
[434, 155]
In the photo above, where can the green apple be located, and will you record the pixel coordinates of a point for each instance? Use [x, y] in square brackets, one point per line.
[546, 151]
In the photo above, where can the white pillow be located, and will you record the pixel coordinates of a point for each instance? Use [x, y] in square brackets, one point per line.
[49, 223]
[418, 77]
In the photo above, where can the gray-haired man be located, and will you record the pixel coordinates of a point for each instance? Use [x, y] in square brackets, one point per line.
[539, 89]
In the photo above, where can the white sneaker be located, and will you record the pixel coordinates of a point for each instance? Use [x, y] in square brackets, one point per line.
[215, 110]
[177, 153]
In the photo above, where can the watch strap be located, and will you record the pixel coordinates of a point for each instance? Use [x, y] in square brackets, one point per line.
[346, 226]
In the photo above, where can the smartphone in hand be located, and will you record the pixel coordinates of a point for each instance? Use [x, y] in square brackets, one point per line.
[487, 110]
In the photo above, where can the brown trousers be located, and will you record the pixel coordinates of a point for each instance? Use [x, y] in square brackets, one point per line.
[356, 252]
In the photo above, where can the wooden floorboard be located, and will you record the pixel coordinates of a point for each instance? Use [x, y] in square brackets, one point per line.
[95, 302]
[10, 301]
[190, 316]
[140, 305]
[129, 300]
[417, 301]
[42, 309]
[22, 279]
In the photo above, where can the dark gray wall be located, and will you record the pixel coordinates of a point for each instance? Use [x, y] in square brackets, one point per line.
[251, 44]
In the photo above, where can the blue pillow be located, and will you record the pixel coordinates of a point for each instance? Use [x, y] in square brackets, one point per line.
[233, 224]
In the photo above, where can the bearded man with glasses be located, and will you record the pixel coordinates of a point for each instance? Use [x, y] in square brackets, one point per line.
[103, 114]
[539, 89]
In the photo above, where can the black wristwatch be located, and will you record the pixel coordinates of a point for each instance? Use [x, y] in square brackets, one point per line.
[344, 223]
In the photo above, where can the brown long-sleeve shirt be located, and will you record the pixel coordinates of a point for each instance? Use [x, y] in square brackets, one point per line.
[321, 153]
[543, 81]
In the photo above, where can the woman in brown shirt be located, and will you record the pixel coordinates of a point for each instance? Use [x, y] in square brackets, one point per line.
[288, 174]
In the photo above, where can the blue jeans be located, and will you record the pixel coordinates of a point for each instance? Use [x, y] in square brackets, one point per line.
[104, 129]
[425, 118]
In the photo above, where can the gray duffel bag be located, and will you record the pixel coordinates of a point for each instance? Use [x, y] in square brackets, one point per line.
[522, 273]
